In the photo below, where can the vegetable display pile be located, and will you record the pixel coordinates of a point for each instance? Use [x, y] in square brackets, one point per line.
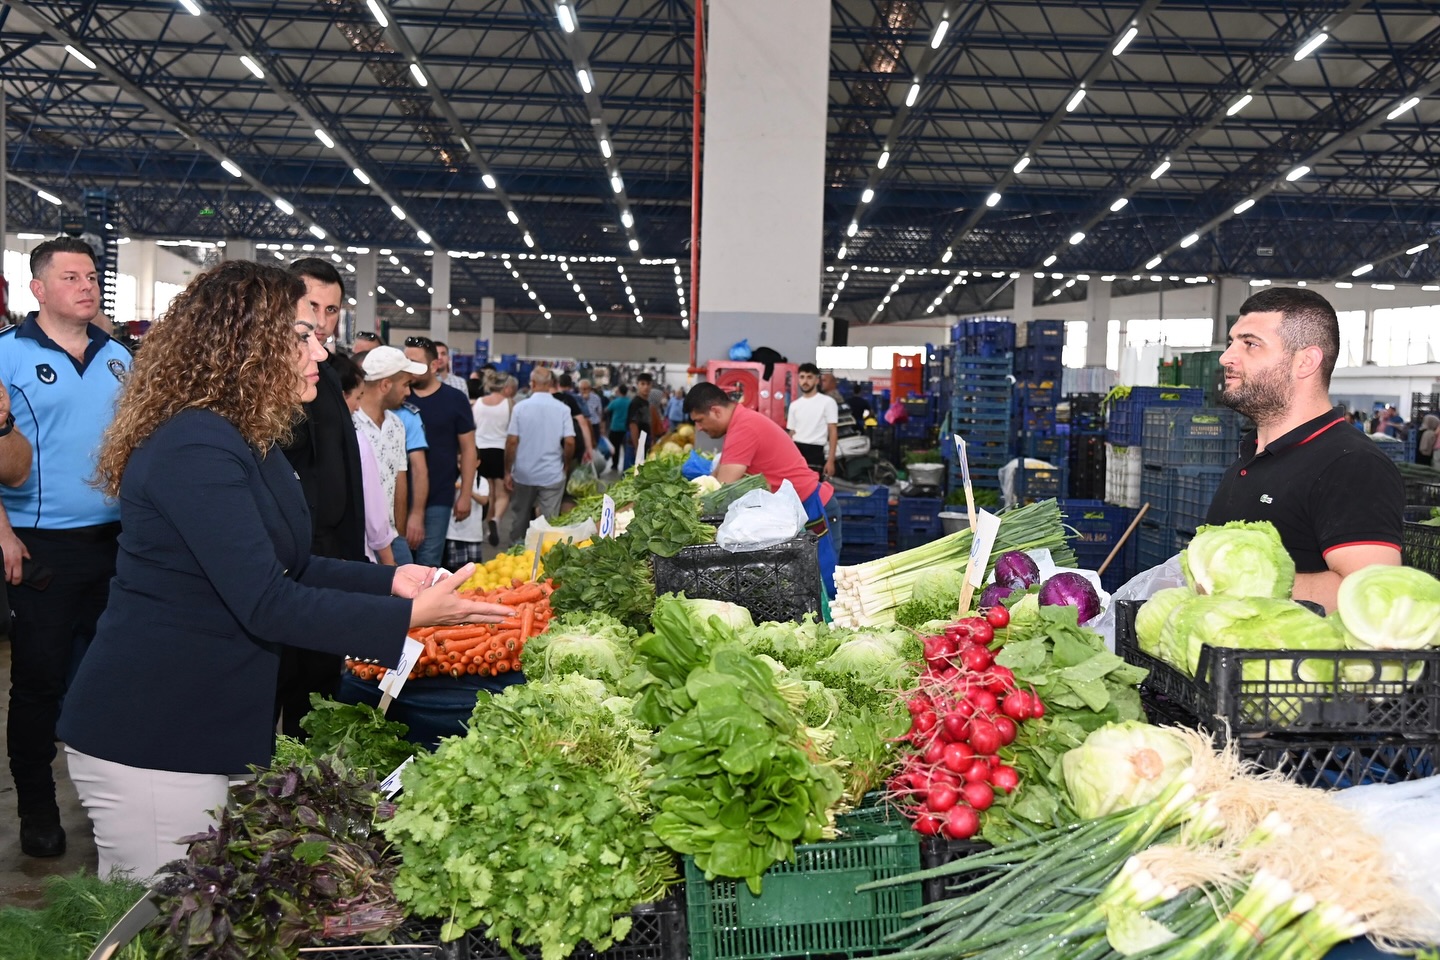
[871, 594]
[79, 908]
[535, 824]
[503, 571]
[294, 861]
[486, 649]
[355, 732]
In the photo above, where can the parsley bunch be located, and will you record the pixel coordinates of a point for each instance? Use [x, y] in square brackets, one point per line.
[535, 823]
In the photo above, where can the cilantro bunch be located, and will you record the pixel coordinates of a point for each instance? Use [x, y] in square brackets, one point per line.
[535, 823]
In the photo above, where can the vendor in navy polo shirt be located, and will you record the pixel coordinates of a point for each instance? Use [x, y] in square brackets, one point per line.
[63, 373]
[1336, 499]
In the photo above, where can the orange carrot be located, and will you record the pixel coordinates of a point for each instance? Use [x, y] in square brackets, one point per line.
[527, 619]
[528, 593]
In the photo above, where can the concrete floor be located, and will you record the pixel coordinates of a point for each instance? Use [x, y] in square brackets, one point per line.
[21, 877]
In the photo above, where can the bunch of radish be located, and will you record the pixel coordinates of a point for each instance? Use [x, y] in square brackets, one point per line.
[964, 710]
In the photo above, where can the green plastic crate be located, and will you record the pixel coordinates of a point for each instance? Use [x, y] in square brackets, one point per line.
[809, 907]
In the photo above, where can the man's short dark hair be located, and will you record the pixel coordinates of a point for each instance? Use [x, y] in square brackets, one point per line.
[703, 396]
[317, 269]
[41, 256]
[441, 343]
[565, 380]
[621, 390]
[808, 368]
[1306, 320]
[644, 378]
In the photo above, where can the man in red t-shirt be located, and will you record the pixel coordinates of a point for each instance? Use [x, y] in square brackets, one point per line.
[756, 444]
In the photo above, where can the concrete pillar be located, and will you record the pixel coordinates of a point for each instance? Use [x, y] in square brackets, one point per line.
[1024, 310]
[238, 250]
[145, 251]
[365, 274]
[1097, 323]
[487, 323]
[440, 299]
[762, 212]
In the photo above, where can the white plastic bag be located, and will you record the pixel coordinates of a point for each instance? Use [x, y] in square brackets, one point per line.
[762, 519]
[1006, 475]
[541, 536]
[1403, 817]
[1142, 586]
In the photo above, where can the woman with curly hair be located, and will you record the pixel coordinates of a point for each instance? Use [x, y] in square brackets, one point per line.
[214, 572]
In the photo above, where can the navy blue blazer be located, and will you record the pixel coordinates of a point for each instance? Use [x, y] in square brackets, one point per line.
[213, 575]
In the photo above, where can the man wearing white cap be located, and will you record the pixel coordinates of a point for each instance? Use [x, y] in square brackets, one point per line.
[387, 382]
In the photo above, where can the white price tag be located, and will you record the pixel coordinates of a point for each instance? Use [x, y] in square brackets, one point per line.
[640, 448]
[391, 681]
[987, 527]
[607, 516]
[965, 479]
[440, 574]
[391, 784]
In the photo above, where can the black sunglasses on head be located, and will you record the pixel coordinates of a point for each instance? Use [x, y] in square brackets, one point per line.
[367, 336]
[418, 342]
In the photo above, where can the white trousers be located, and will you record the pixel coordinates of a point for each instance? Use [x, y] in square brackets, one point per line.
[140, 815]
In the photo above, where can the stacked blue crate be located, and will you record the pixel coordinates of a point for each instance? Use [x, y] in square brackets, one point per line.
[1093, 528]
[1194, 489]
[1189, 436]
[864, 524]
[917, 521]
[1125, 420]
[983, 338]
[980, 412]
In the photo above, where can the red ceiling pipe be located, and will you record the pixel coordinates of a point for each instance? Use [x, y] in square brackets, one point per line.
[695, 181]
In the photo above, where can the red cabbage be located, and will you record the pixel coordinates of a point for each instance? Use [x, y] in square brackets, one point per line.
[1016, 569]
[1071, 590]
[995, 594]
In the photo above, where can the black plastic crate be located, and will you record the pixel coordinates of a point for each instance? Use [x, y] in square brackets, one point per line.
[939, 852]
[1423, 493]
[1421, 548]
[1279, 702]
[1125, 420]
[778, 583]
[1190, 436]
[657, 932]
[413, 940]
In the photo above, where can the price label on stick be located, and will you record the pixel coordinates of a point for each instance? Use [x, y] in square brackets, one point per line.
[987, 527]
[391, 784]
[392, 681]
[607, 516]
[965, 479]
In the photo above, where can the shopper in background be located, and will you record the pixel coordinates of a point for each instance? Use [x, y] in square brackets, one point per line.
[675, 409]
[512, 387]
[618, 413]
[365, 341]
[1425, 443]
[492, 421]
[215, 573]
[538, 451]
[379, 508]
[444, 371]
[63, 375]
[812, 421]
[846, 424]
[594, 407]
[641, 419]
[410, 519]
[756, 444]
[450, 435]
[584, 439]
[1337, 500]
[387, 374]
[326, 457]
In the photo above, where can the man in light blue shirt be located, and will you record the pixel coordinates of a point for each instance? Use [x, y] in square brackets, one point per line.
[64, 374]
[539, 446]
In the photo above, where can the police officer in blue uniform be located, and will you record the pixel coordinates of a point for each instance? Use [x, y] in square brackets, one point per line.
[63, 373]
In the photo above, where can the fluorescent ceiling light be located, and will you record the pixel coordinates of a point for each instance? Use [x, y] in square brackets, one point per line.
[946, 257]
[566, 16]
[1021, 164]
[1418, 247]
[285, 206]
[626, 219]
[488, 180]
[419, 75]
[1049, 260]
[940, 30]
[191, 7]
[253, 67]
[49, 198]
[884, 159]
[1297, 173]
[317, 231]
[1153, 262]
[1119, 204]
[853, 229]
[1108, 278]
[1076, 237]
[1124, 40]
[913, 95]
[80, 56]
[229, 167]
[840, 254]
[616, 183]
[1238, 105]
[1405, 107]
[1344, 284]
[1159, 171]
[585, 83]
[1075, 100]
[529, 240]
[1382, 286]
[1311, 45]
[424, 237]
[1244, 205]
[867, 196]
[1361, 270]
[361, 176]
[399, 214]
[377, 13]
[324, 138]
[1190, 240]
[605, 148]
[993, 199]
[634, 244]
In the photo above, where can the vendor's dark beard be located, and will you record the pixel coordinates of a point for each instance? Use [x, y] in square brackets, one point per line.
[1261, 397]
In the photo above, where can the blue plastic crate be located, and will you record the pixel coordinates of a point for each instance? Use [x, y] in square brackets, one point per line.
[1121, 569]
[866, 531]
[1394, 449]
[1047, 447]
[1190, 436]
[1031, 485]
[1125, 420]
[872, 504]
[1153, 546]
[1195, 488]
[1045, 332]
[1095, 522]
[853, 553]
[1157, 488]
[918, 516]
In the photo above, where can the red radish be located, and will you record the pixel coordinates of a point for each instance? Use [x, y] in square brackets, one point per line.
[978, 794]
[981, 631]
[957, 757]
[998, 617]
[941, 798]
[949, 673]
[918, 704]
[961, 823]
[976, 658]
[927, 824]
[923, 722]
[984, 701]
[1001, 680]
[960, 630]
[982, 736]
[1017, 705]
[1005, 779]
[946, 646]
[935, 752]
[1037, 707]
[1006, 728]
[978, 770]
[953, 726]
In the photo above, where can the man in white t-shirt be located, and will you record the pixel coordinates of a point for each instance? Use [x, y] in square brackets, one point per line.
[813, 421]
[387, 383]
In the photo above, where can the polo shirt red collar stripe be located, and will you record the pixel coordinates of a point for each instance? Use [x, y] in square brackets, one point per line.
[1317, 433]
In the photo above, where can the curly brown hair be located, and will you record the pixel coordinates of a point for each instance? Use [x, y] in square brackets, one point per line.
[226, 344]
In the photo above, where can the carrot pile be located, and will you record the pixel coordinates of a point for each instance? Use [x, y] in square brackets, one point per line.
[486, 649]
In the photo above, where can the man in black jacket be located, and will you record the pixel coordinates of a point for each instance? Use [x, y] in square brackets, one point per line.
[326, 458]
